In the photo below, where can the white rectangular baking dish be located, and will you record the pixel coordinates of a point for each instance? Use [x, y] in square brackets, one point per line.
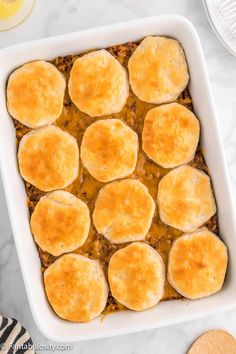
[165, 313]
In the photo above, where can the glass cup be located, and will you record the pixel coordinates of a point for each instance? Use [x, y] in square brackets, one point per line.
[13, 12]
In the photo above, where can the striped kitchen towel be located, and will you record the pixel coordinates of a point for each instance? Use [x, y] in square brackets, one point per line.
[14, 339]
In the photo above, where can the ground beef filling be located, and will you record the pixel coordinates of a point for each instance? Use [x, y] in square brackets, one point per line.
[160, 236]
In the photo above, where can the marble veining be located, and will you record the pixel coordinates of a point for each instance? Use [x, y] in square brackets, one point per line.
[62, 16]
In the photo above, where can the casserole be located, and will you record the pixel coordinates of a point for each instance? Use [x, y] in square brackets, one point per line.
[165, 313]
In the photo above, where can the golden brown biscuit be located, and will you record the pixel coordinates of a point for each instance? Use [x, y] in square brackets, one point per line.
[76, 287]
[98, 84]
[35, 94]
[170, 135]
[158, 70]
[216, 341]
[136, 275]
[185, 198]
[197, 264]
[123, 211]
[109, 150]
[48, 158]
[60, 222]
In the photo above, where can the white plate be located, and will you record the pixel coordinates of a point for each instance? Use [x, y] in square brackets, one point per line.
[168, 312]
[223, 25]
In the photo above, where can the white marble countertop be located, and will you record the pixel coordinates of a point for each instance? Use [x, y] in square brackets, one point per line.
[60, 16]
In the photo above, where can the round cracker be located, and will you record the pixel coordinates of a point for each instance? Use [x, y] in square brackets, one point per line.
[216, 341]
